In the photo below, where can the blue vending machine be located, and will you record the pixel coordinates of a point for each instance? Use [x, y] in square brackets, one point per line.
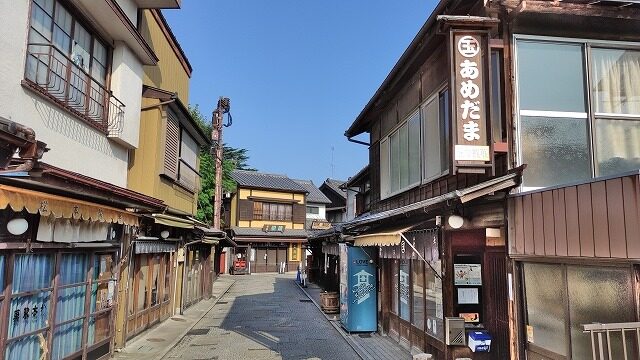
[358, 289]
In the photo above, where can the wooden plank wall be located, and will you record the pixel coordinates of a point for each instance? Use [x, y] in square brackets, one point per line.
[598, 219]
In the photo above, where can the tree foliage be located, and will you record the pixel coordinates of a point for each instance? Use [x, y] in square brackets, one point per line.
[232, 158]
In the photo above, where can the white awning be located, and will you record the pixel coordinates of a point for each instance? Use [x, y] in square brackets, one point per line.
[389, 238]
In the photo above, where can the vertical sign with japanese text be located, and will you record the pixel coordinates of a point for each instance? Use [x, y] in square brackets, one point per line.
[469, 80]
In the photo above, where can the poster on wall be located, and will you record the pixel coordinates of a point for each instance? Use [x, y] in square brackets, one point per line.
[467, 274]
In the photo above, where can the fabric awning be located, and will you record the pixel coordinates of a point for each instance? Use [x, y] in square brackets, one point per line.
[389, 238]
[49, 205]
[173, 221]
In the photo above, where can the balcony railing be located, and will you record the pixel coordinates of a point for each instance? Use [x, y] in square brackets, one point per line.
[55, 75]
[614, 341]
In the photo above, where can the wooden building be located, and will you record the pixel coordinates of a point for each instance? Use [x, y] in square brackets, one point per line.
[172, 260]
[267, 215]
[500, 146]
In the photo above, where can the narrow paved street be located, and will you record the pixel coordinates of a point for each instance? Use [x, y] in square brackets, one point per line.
[263, 317]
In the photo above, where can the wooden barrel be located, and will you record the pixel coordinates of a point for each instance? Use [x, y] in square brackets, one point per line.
[330, 302]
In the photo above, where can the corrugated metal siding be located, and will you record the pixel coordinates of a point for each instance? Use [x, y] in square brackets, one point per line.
[598, 219]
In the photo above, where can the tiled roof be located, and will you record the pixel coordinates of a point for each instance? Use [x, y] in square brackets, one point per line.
[335, 186]
[239, 231]
[314, 194]
[266, 181]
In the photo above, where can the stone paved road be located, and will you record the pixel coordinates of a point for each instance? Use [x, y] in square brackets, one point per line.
[262, 317]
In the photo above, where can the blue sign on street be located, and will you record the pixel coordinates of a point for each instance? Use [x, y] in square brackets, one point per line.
[358, 291]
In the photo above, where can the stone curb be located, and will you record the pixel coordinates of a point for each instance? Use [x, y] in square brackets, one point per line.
[356, 347]
[184, 333]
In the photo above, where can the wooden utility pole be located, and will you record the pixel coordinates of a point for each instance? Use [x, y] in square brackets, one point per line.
[224, 105]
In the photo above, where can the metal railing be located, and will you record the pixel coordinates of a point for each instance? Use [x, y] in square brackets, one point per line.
[614, 341]
[57, 76]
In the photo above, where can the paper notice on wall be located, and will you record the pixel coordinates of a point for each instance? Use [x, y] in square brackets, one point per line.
[467, 274]
[468, 296]
[530, 333]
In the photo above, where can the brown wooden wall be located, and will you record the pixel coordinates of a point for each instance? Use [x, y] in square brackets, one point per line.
[598, 219]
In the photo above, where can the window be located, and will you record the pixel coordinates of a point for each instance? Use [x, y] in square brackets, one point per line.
[314, 210]
[272, 211]
[418, 149]
[405, 297]
[564, 137]
[418, 294]
[435, 127]
[70, 64]
[560, 300]
[180, 154]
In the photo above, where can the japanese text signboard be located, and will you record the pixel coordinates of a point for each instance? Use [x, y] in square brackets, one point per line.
[469, 80]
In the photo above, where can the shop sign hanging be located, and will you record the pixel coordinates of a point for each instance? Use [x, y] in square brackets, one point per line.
[470, 78]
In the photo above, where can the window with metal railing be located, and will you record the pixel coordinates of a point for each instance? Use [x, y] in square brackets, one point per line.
[69, 64]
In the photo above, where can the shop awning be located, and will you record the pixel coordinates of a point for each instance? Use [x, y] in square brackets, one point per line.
[464, 195]
[150, 247]
[49, 205]
[172, 221]
[389, 238]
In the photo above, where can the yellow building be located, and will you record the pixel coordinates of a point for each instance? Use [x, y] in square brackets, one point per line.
[171, 245]
[266, 218]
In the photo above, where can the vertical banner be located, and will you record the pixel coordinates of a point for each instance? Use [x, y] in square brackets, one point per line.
[470, 80]
[358, 299]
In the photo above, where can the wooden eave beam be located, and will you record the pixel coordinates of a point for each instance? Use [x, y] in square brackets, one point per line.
[565, 8]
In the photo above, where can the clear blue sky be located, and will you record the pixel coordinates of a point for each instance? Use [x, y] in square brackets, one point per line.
[298, 72]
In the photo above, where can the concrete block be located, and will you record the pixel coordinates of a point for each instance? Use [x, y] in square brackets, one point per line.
[422, 356]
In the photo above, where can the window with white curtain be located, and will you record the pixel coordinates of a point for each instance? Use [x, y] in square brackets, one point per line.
[579, 110]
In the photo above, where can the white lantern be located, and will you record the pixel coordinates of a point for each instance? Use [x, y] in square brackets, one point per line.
[455, 221]
[17, 226]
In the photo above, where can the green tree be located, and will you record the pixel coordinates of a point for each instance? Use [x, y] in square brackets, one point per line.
[232, 159]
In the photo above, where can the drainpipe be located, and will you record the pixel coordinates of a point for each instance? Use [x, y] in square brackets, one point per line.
[158, 104]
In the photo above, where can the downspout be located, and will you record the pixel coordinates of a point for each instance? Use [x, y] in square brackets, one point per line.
[158, 104]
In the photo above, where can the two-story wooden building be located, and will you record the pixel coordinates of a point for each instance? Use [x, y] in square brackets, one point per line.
[507, 120]
[71, 77]
[171, 265]
[267, 221]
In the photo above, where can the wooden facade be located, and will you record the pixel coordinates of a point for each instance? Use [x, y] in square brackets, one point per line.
[590, 227]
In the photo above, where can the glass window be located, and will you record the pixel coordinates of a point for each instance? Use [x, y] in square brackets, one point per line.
[395, 286]
[70, 301]
[611, 305]
[418, 294]
[385, 185]
[167, 276]
[546, 297]
[30, 312]
[394, 159]
[560, 86]
[98, 328]
[434, 306]
[405, 281]
[432, 138]
[67, 339]
[143, 278]
[155, 279]
[313, 210]
[2, 281]
[615, 79]
[617, 145]
[81, 51]
[414, 149]
[555, 150]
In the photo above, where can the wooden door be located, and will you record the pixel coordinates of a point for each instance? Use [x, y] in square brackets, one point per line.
[496, 292]
[261, 261]
[282, 257]
[272, 260]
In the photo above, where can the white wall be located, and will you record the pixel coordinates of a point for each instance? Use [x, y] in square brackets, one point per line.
[126, 84]
[322, 212]
[74, 145]
[130, 8]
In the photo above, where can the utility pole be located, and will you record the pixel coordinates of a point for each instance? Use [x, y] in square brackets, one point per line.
[224, 105]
